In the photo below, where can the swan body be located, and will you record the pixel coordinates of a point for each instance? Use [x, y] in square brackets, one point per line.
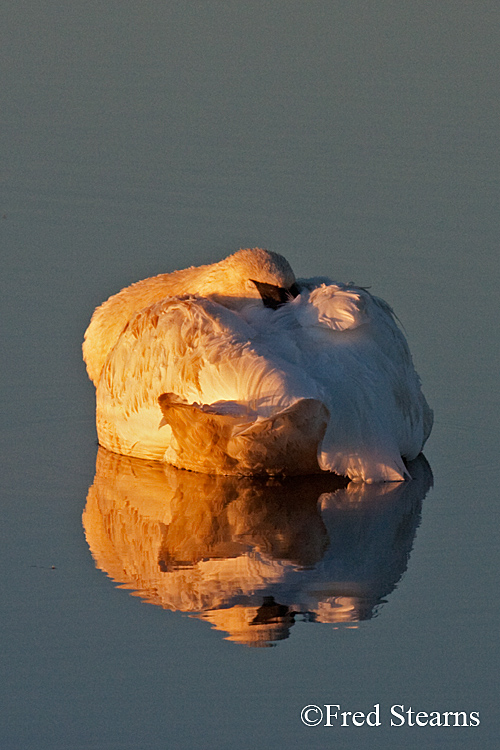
[193, 369]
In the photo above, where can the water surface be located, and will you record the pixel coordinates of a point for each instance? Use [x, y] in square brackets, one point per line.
[361, 141]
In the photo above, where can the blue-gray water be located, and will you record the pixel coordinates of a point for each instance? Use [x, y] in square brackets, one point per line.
[361, 141]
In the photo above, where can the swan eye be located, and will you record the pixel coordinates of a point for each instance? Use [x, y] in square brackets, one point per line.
[274, 296]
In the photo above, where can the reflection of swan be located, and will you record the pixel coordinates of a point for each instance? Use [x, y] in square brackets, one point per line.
[323, 381]
[249, 555]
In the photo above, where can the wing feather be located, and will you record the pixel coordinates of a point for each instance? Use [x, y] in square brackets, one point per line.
[198, 350]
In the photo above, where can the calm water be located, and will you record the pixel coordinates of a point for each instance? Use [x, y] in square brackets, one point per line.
[361, 141]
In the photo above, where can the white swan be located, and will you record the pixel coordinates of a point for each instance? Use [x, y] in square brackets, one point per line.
[317, 377]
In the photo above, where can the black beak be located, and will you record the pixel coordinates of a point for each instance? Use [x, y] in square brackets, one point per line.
[275, 296]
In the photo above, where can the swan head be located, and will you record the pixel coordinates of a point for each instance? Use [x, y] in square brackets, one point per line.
[252, 274]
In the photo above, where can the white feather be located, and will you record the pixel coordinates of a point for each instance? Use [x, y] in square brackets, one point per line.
[325, 381]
